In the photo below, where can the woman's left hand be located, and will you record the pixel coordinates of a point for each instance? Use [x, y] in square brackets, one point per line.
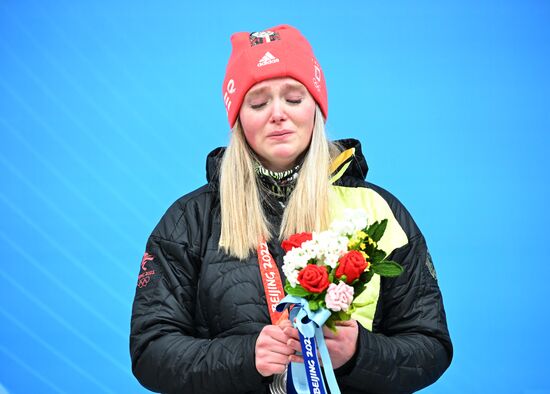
[342, 344]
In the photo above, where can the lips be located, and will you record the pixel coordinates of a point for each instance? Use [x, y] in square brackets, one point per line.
[280, 133]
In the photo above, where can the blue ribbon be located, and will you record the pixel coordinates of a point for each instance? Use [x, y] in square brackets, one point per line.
[307, 378]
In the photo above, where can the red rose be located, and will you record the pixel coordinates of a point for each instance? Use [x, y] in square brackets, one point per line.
[295, 241]
[313, 278]
[352, 264]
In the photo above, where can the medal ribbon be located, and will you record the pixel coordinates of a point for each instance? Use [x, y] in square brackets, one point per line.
[302, 378]
[309, 325]
[271, 279]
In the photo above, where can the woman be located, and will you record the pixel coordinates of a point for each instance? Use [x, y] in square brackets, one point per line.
[200, 321]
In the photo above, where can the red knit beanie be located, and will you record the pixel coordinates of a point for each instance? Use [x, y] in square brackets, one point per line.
[280, 51]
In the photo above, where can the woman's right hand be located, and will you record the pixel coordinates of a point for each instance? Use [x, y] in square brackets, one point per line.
[272, 351]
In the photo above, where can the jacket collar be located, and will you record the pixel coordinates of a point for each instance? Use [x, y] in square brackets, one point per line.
[353, 163]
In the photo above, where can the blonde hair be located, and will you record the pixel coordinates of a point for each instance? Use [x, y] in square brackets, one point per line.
[243, 222]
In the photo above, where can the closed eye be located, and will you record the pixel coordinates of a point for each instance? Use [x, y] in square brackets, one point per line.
[257, 106]
[297, 101]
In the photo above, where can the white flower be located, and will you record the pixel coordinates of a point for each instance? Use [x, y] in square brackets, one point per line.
[293, 261]
[329, 246]
[339, 297]
[354, 220]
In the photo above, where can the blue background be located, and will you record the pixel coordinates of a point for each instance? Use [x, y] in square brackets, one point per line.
[108, 110]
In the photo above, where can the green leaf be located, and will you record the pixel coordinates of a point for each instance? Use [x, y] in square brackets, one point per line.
[379, 231]
[313, 305]
[331, 276]
[369, 250]
[343, 316]
[387, 268]
[365, 277]
[372, 228]
[377, 255]
[297, 291]
[330, 323]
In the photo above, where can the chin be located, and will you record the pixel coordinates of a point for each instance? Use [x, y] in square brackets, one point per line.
[282, 165]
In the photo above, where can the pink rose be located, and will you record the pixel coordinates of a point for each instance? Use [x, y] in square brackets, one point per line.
[339, 297]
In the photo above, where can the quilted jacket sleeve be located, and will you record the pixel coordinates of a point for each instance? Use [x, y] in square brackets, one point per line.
[409, 347]
[167, 354]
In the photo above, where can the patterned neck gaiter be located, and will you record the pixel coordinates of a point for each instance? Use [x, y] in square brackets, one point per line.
[279, 184]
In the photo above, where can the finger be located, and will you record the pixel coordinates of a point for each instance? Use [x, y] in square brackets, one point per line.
[328, 333]
[276, 333]
[278, 368]
[269, 362]
[296, 359]
[284, 323]
[346, 323]
[277, 348]
[277, 359]
[332, 343]
[291, 332]
[284, 316]
[294, 345]
[268, 367]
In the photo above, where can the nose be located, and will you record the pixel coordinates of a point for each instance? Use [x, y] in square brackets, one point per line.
[278, 113]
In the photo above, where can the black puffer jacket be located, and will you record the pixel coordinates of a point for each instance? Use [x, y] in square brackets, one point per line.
[197, 312]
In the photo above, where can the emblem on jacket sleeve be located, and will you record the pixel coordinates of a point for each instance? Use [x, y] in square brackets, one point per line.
[430, 265]
[147, 270]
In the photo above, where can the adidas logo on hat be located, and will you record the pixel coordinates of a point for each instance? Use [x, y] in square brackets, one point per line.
[268, 58]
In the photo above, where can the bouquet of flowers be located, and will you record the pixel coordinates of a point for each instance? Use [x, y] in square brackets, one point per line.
[331, 268]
